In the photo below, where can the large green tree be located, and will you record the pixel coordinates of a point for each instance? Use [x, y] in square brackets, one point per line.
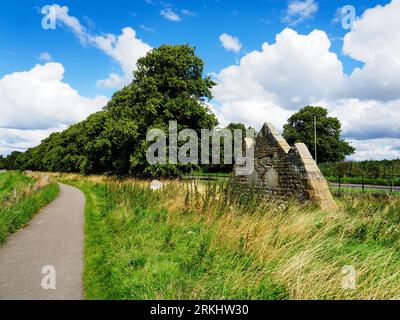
[330, 146]
[169, 84]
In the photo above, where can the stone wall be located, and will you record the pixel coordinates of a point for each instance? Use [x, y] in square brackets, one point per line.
[286, 172]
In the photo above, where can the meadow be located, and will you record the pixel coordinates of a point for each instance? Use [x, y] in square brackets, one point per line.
[22, 196]
[211, 240]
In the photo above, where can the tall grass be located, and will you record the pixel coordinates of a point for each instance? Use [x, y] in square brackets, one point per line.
[213, 241]
[12, 184]
[21, 198]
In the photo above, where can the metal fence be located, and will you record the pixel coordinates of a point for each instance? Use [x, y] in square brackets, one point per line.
[364, 182]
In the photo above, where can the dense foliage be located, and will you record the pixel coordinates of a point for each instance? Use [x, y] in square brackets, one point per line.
[330, 146]
[11, 162]
[168, 85]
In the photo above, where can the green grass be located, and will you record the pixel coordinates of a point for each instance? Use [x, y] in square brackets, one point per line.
[28, 201]
[207, 241]
[366, 191]
[10, 181]
[135, 250]
[210, 174]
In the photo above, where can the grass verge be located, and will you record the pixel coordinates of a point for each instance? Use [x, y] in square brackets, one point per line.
[13, 183]
[20, 211]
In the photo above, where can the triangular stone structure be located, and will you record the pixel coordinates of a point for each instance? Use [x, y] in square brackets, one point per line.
[284, 171]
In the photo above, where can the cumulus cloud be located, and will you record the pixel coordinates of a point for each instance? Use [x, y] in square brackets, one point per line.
[230, 43]
[44, 104]
[375, 40]
[296, 70]
[366, 119]
[44, 101]
[169, 14]
[377, 32]
[377, 149]
[300, 10]
[125, 49]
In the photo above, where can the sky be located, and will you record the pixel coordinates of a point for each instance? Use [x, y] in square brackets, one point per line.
[60, 62]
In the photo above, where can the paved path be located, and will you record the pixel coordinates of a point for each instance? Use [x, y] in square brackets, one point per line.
[53, 238]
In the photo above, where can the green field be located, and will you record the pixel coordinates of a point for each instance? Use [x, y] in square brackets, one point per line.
[20, 198]
[207, 241]
[209, 174]
[371, 191]
[365, 180]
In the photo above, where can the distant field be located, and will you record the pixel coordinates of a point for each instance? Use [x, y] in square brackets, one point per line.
[207, 241]
[371, 191]
[367, 180]
[20, 198]
[395, 181]
[209, 174]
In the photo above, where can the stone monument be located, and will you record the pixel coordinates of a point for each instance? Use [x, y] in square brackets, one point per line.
[283, 171]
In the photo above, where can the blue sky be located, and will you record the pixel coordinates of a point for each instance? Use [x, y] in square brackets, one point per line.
[253, 22]
[79, 60]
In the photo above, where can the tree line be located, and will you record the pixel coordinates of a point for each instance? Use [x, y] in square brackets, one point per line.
[370, 168]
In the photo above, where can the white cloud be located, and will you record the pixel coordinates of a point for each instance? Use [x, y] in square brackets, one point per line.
[169, 14]
[300, 10]
[45, 56]
[297, 70]
[377, 32]
[44, 103]
[375, 40]
[254, 112]
[45, 100]
[72, 23]
[366, 119]
[230, 43]
[377, 149]
[20, 140]
[124, 49]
